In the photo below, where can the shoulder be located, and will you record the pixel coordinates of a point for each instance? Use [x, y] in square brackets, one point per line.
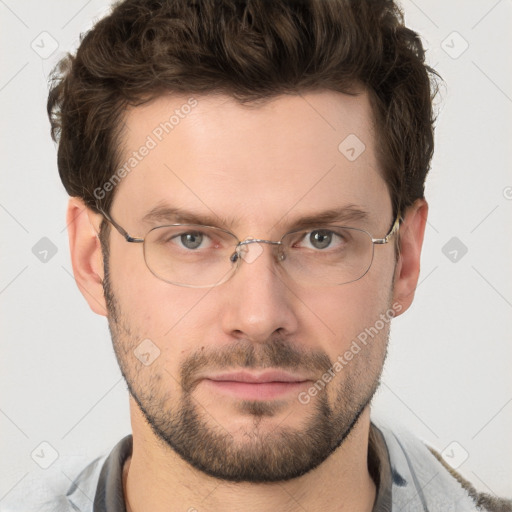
[422, 480]
[69, 486]
[483, 500]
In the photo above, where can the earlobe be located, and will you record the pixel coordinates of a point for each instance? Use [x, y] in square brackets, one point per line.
[407, 269]
[86, 255]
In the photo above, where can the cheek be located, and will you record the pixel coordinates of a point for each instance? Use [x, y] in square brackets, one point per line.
[343, 313]
[173, 317]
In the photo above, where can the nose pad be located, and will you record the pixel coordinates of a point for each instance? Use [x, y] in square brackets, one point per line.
[281, 255]
[251, 254]
[246, 253]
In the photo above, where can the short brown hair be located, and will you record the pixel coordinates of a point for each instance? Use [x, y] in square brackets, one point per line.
[252, 50]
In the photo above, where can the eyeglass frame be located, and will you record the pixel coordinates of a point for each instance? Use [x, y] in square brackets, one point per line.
[236, 254]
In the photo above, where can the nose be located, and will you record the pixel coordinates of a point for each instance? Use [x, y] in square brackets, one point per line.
[257, 301]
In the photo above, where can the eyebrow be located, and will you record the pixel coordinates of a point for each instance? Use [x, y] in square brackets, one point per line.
[169, 214]
[345, 215]
[166, 213]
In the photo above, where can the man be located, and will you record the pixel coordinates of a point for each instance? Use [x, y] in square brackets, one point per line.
[247, 202]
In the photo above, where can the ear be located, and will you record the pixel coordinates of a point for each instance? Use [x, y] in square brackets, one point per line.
[86, 256]
[407, 268]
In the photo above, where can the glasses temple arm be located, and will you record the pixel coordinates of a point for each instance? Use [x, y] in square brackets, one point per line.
[392, 231]
[121, 230]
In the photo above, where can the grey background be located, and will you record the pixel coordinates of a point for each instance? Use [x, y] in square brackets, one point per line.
[448, 375]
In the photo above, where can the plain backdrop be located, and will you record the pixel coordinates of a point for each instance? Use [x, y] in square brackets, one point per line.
[448, 375]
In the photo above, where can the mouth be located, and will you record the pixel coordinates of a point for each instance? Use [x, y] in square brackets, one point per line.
[267, 385]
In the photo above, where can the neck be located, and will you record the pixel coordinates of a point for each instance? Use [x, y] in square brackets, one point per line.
[155, 478]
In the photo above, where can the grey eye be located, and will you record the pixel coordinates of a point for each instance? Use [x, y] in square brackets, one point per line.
[191, 240]
[320, 239]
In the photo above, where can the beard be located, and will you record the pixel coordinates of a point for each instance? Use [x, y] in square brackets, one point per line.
[267, 451]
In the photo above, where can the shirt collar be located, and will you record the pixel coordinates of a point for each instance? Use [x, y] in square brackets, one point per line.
[110, 497]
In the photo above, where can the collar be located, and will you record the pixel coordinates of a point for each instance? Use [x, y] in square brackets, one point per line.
[109, 491]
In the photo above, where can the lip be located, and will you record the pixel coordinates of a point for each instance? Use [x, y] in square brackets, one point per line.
[265, 385]
[258, 378]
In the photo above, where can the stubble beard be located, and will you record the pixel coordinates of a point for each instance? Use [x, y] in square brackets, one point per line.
[259, 453]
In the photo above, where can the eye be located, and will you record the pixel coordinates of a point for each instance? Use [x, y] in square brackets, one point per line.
[191, 240]
[187, 239]
[323, 239]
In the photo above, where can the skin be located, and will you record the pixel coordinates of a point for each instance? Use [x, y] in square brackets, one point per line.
[261, 168]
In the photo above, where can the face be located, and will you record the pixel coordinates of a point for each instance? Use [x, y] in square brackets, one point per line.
[257, 172]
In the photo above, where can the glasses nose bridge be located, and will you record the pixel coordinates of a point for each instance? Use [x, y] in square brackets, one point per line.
[248, 241]
[237, 253]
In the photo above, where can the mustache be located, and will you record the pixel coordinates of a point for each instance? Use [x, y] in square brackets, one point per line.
[276, 353]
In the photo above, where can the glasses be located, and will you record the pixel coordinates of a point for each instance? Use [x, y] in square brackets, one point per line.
[198, 256]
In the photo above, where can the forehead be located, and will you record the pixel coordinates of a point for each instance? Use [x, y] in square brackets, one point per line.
[291, 155]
